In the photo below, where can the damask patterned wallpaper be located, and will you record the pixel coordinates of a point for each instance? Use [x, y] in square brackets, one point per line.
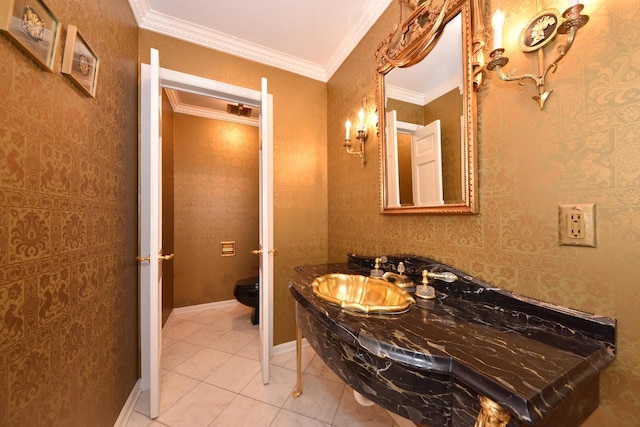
[167, 207]
[68, 228]
[582, 148]
[216, 199]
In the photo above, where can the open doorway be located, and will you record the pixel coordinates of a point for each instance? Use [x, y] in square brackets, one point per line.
[153, 78]
[210, 197]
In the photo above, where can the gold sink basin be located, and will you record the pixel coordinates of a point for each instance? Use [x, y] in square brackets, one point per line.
[361, 293]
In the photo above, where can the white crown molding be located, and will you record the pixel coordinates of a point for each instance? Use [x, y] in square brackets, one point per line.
[369, 16]
[207, 113]
[402, 94]
[419, 98]
[140, 9]
[154, 21]
[445, 87]
[206, 37]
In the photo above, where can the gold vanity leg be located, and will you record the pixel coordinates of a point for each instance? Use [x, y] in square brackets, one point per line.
[491, 414]
[298, 391]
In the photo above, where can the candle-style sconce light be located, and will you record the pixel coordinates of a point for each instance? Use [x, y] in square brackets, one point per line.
[361, 136]
[540, 31]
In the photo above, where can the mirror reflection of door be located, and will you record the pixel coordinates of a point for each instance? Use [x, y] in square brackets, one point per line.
[426, 165]
[413, 163]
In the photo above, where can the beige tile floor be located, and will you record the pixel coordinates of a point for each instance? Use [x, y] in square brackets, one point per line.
[211, 377]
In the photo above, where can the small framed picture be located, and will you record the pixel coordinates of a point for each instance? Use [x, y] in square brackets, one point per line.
[32, 27]
[80, 62]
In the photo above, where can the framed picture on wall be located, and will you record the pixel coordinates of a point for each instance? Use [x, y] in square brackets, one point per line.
[32, 27]
[80, 62]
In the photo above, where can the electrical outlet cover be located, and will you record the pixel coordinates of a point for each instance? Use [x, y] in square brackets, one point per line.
[587, 236]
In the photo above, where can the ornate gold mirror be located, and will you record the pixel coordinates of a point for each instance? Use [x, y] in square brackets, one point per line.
[429, 69]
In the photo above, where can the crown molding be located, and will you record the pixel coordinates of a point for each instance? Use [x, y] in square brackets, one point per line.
[179, 107]
[420, 98]
[369, 16]
[206, 37]
[151, 20]
[451, 84]
[140, 9]
[405, 95]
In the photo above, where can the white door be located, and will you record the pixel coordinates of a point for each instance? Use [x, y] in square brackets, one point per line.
[266, 230]
[391, 162]
[151, 232]
[426, 164]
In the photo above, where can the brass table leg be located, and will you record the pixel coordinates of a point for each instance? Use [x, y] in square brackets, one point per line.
[298, 391]
[491, 414]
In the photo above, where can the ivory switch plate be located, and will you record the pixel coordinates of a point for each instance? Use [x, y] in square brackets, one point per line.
[577, 225]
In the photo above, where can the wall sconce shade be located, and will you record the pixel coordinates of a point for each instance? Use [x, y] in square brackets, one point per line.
[539, 32]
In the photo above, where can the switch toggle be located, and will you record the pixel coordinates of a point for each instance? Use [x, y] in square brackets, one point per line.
[577, 225]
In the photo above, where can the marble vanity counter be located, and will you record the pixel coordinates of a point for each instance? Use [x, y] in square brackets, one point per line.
[538, 361]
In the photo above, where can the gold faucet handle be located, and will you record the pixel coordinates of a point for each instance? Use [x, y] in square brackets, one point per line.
[401, 268]
[445, 276]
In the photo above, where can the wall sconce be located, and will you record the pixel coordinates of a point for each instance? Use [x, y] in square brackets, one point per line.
[539, 32]
[361, 136]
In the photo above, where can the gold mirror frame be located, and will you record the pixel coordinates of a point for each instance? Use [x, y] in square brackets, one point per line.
[411, 41]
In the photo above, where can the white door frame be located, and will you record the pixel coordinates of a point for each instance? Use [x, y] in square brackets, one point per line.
[199, 85]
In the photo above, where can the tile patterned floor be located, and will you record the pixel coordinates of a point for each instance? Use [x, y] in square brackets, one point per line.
[211, 377]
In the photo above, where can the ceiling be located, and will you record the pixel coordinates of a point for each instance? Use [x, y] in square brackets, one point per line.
[308, 37]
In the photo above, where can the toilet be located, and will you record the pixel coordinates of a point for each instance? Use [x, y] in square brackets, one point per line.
[247, 292]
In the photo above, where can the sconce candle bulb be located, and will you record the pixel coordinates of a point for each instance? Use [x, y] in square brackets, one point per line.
[361, 137]
[497, 23]
[361, 119]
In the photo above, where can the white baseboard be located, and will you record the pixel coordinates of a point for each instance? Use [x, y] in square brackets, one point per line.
[129, 405]
[287, 347]
[168, 323]
[207, 306]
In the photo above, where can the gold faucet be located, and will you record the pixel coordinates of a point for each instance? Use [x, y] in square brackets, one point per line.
[399, 278]
[376, 272]
[426, 291]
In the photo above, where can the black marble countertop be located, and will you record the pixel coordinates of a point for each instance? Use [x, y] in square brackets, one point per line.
[525, 354]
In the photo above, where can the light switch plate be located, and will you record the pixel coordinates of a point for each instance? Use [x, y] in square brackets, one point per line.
[577, 225]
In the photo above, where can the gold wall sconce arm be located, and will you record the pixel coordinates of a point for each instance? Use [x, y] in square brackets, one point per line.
[361, 135]
[540, 31]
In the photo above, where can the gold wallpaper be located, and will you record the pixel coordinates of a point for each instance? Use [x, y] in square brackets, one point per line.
[300, 156]
[68, 228]
[216, 199]
[582, 148]
[167, 207]
[405, 178]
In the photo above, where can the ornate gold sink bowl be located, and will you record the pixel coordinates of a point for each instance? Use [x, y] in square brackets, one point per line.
[362, 294]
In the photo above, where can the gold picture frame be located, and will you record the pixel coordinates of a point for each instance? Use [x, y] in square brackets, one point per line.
[79, 62]
[33, 28]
